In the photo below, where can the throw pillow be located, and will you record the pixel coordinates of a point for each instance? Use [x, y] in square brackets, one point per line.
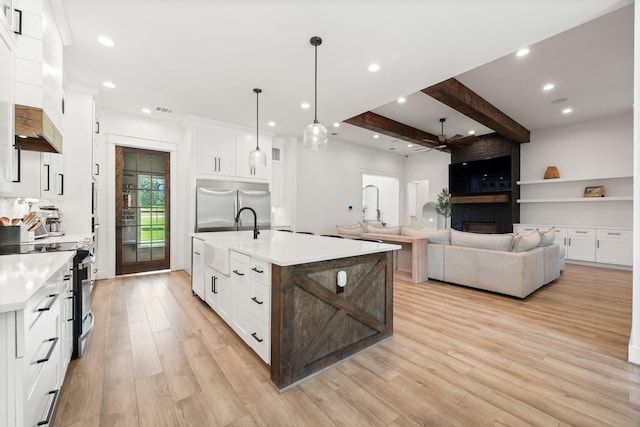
[526, 241]
[494, 242]
[350, 231]
[547, 236]
[377, 224]
[386, 230]
[441, 237]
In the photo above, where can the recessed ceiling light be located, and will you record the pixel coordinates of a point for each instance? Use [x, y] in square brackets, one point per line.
[548, 86]
[336, 125]
[522, 52]
[567, 110]
[146, 111]
[110, 85]
[271, 123]
[23, 136]
[409, 145]
[402, 100]
[106, 41]
[472, 132]
[305, 105]
[376, 136]
[373, 68]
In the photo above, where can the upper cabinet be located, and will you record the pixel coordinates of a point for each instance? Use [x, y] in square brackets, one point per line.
[7, 154]
[224, 152]
[39, 96]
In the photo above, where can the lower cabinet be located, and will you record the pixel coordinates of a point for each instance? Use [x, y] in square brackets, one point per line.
[35, 353]
[241, 284]
[197, 267]
[591, 244]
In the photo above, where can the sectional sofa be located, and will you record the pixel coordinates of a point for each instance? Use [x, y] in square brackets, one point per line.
[511, 264]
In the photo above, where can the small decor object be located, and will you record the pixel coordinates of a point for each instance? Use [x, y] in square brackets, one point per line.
[552, 172]
[596, 191]
[443, 206]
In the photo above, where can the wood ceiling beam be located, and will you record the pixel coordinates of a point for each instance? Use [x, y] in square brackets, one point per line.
[389, 127]
[459, 97]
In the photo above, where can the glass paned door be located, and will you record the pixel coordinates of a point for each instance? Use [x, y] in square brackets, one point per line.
[142, 210]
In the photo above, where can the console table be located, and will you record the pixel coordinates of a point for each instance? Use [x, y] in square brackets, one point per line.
[411, 262]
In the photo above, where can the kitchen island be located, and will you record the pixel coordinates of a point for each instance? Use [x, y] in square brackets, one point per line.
[302, 302]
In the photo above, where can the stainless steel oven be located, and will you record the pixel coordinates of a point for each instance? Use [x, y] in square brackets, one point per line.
[83, 281]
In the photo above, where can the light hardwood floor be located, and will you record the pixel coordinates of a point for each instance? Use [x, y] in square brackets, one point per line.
[158, 356]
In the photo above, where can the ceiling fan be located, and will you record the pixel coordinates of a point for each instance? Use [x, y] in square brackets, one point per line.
[455, 141]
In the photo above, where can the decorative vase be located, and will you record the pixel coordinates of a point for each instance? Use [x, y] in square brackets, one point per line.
[552, 172]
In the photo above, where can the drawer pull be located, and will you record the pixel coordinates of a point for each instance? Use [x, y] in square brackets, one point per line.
[196, 252]
[257, 271]
[53, 297]
[50, 411]
[255, 337]
[238, 273]
[580, 232]
[50, 352]
[613, 234]
[67, 276]
[213, 284]
[254, 299]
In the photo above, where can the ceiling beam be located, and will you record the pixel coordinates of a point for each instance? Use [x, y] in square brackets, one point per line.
[389, 127]
[459, 97]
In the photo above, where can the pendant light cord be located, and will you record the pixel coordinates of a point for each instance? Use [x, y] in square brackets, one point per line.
[257, 121]
[315, 116]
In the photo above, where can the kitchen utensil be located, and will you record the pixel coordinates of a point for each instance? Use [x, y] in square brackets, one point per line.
[29, 218]
[5, 221]
[15, 221]
[35, 225]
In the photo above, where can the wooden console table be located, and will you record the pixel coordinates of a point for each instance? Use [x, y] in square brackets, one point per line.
[411, 263]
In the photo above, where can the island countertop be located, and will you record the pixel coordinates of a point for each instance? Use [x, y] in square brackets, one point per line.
[21, 276]
[286, 249]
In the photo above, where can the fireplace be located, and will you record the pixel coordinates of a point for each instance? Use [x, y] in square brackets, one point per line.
[480, 227]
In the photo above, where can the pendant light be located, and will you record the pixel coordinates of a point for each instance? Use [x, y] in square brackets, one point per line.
[257, 157]
[315, 135]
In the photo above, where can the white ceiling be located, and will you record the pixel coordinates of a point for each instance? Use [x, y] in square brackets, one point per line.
[204, 57]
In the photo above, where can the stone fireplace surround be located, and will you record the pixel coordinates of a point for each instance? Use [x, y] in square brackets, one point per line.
[501, 215]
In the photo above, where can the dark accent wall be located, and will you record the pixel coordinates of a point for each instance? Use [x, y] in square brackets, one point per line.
[503, 214]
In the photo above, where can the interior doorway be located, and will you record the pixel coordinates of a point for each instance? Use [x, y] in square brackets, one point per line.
[381, 199]
[142, 210]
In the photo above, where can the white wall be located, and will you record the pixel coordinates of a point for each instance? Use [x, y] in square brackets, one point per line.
[141, 132]
[330, 181]
[591, 150]
[634, 341]
[433, 167]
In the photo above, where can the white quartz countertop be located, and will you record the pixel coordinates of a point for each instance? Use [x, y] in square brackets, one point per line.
[21, 276]
[285, 249]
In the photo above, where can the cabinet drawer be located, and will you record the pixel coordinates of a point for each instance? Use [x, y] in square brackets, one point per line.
[260, 339]
[261, 271]
[39, 404]
[614, 234]
[261, 302]
[581, 232]
[42, 345]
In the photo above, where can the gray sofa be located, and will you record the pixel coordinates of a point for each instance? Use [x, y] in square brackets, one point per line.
[511, 264]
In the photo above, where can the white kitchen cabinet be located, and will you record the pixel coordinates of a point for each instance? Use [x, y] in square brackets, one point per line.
[241, 282]
[7, 156]
[28, 183]
[215, 150]
[614, 246]
[66, 324]
[581, 244]
[211, 295]
[261, 338]
[52, 176]
[225, 297]
[197, 267]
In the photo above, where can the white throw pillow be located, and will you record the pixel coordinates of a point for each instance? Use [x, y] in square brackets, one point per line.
[377, 224]
[350, 231]
[441, 237]
[386, 230]
[494, 242]
[547, 236]
[526, 241]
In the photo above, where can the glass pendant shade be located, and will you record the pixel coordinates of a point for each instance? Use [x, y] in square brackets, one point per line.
[315, 137]
[257, 158]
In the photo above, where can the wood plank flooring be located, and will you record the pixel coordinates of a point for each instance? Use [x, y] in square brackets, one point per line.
[159, 356]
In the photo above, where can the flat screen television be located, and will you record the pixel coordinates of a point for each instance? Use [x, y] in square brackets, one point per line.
[480, 176]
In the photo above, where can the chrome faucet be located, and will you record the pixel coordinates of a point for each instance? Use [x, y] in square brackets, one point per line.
[255, 221]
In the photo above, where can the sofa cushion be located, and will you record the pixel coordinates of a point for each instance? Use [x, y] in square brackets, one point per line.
[386, 230]
[442, 237]
[377, 224]
[495, 242]
[350, 231]
[526, 241]
[356, 225]
[547, 236]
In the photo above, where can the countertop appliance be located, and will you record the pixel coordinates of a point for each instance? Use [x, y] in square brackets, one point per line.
[217, 204]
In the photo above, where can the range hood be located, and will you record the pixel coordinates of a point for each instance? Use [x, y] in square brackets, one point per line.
[35, 131]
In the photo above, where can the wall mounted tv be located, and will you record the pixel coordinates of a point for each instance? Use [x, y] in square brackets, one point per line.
[480, 176]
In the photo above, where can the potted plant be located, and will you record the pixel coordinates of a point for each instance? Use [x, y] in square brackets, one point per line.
[443, 206]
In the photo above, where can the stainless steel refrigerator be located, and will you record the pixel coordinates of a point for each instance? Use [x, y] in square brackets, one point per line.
[217, 205]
